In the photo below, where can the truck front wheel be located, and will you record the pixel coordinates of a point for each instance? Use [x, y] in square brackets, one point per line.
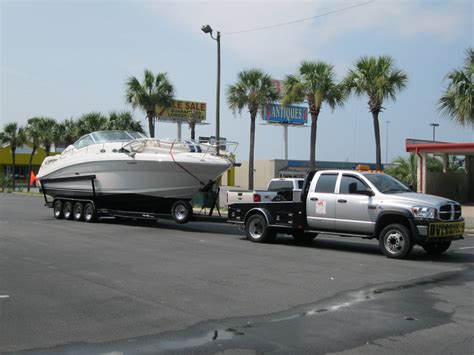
[395, 241]
[257, 229]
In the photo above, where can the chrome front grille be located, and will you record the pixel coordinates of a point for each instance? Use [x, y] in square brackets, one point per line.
[449, 212]
[457, 211]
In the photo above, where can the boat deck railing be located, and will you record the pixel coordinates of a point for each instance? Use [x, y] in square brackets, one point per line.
[226, 148]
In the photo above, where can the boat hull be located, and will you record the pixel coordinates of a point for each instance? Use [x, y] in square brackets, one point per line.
[131, 184]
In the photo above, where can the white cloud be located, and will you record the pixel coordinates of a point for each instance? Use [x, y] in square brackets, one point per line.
[286, 45]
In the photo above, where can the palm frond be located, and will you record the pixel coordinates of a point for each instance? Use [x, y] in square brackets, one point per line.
[457, 100]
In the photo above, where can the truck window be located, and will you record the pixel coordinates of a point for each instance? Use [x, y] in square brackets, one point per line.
[278, 185]
[326, 183]
[348, 179]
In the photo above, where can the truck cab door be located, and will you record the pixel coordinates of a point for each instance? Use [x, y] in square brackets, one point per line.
[321, 202]
[355, 211]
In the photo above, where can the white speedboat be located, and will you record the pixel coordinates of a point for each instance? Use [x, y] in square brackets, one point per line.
[127, 170]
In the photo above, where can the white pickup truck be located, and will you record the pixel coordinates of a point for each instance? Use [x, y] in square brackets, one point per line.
[282, 189]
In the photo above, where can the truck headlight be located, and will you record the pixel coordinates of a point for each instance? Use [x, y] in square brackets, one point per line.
[424, 212]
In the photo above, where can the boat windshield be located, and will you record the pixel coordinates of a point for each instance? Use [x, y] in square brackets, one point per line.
[112, 136]
[107, 136]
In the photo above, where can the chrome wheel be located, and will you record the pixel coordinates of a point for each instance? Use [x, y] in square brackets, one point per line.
[58, 209]
[255, 229]
[67, 210]
[78, 211]
[180, 212]
[89, 212]
[394, 242]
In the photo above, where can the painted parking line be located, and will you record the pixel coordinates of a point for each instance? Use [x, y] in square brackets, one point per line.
[465, 248]
[4, 296]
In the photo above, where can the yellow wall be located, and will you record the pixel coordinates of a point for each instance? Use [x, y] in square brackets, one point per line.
[21, 158]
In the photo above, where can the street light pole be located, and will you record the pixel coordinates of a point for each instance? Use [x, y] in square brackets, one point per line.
[434, 125]
[208, 29]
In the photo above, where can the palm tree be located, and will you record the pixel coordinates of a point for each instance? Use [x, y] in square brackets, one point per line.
[379, 80]
[47, 128]
[33, 135]
[314, 83]
[457, 101]
[123, 121]
[155, 91]
[67, 132]
[90, 122]
[405, 170]
[15, 137]
[253, 89]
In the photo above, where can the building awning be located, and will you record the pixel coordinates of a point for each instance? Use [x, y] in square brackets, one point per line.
[448, 148]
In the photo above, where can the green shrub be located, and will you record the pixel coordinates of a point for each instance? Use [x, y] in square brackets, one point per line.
[6, 182]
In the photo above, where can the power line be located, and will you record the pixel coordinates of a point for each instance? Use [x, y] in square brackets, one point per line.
[300, 20]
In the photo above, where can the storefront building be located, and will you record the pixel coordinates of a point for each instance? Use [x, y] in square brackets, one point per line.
[22, 158]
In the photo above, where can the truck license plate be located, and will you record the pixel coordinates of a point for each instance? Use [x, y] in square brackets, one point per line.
[446, 229]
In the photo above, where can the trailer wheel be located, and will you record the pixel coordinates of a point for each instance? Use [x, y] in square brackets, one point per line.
[58, 209]
[437, 248]
[258, 231]
[78, 211]
[89, 212]
[181, 211]
[395, 241]
[67, 210]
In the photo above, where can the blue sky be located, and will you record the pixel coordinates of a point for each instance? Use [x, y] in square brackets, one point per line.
[65, 58]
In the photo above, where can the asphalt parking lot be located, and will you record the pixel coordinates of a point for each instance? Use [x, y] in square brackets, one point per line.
[145, 288]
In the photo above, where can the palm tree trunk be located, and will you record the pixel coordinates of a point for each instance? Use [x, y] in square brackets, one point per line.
[378, 159]
[14, 164]
[151, 123]
[30, 163]
[252, 147]
[47, 148]
[312, 148]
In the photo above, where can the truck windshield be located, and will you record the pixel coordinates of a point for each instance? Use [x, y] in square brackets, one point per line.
[386, 184]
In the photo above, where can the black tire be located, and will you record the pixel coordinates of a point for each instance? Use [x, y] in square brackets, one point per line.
[302, 237]
[58, 209]
[396, 241]
[78, 212]
[181, 211]
[67, 210]
[257, 229]
[437, 248]
[89, 212]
